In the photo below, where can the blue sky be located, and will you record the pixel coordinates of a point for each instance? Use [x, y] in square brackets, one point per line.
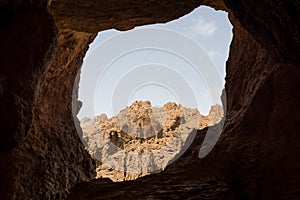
[113, 77]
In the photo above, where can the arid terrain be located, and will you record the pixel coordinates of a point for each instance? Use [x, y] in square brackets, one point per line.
[142, 139]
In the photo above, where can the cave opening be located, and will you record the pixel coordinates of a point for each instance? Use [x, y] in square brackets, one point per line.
[149, 67]
[42, 157]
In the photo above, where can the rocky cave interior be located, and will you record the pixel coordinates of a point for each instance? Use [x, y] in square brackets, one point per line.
[42, 48]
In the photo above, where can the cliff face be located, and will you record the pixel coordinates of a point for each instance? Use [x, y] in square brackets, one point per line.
[42, 47]
[142, 139]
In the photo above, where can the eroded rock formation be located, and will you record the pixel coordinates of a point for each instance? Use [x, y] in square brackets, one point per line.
[142, 139]
[42, 47]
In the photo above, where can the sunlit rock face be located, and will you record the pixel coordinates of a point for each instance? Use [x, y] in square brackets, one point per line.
[42, 157]
[142, 139]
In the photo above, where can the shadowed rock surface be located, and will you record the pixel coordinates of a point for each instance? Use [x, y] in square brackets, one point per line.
[42, 47]
[187, 178]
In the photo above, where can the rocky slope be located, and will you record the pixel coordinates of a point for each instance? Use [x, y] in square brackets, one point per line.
[141, 139]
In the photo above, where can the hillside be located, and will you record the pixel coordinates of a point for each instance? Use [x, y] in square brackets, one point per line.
[141, 139]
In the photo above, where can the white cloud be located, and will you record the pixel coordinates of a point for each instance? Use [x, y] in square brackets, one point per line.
[214, 54]
[202, 27]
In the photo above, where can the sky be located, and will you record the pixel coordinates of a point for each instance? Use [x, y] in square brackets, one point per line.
[181, 61]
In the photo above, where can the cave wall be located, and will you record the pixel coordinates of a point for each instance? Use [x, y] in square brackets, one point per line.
[43, 44]
[274, 24]
[260, 132]
[27, 37]
[41, 153]
[27, 34]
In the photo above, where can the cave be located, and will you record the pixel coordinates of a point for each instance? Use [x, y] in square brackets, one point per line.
[42, 49]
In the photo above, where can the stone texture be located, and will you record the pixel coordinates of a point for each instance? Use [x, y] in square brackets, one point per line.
[141, 139]
[94, 16]
[274, 24]
[42, 48]
[38, 136]
[52, 148]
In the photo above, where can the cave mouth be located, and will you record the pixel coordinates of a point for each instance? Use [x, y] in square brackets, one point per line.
[178, 66]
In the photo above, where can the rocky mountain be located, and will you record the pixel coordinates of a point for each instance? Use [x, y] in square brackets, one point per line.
[141, 139]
